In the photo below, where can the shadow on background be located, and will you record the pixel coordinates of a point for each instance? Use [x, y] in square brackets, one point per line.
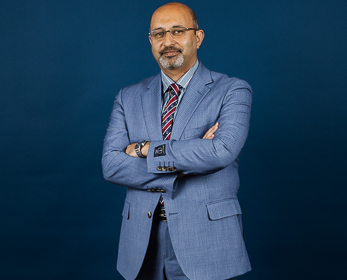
[62, 62]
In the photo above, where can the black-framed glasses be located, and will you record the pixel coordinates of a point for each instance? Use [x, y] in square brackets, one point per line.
[176, 32]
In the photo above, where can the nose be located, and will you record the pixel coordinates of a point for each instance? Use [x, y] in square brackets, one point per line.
[168, 40]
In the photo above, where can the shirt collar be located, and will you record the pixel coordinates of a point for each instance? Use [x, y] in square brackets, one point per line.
[183, 81]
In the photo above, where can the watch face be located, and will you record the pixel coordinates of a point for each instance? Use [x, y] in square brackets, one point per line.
[142, 143]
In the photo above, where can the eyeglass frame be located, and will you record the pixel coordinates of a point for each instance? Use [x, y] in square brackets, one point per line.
[169, 30]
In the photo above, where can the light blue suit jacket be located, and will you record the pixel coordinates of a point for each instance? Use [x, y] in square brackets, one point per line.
[203, 212]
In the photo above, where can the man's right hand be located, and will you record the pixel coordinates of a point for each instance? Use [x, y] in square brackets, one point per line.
[210, 133]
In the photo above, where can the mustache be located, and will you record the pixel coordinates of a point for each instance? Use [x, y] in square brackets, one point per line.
[167, 49]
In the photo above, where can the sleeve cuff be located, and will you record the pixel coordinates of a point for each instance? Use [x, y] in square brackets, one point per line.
[158, 158]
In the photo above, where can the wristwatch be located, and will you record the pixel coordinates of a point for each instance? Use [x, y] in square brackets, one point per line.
[138, 148]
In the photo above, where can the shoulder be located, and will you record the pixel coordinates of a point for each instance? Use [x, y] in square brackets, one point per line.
[231, 90]
[219, 80]
[232, 83]
[144, 83]
[132, 92]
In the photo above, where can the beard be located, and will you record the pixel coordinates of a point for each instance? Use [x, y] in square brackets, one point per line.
[171, 62]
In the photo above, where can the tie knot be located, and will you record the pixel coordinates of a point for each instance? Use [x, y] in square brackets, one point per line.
[174, 89]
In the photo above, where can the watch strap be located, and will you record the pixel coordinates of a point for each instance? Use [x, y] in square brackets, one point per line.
[138, 148]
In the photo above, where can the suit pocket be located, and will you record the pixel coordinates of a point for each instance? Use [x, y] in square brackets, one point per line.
[126, 210]
[197, 132]
[222, 209]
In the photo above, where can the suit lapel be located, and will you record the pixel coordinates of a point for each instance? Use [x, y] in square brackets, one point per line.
[151, 105]
[196, 91]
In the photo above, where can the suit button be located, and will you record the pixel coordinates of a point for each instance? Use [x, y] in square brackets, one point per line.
[164, 168]
[149, 214]
[159, 168]
[169, 168]
[174, 168]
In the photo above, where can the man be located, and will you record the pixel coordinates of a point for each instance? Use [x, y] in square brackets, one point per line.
[174, 141]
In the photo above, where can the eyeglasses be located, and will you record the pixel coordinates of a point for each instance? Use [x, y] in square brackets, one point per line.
[176, 32]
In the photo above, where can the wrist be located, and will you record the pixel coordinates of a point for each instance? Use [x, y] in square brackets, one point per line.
[144, 149]
[138, 148]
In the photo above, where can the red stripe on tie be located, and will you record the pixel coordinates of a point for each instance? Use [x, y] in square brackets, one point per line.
[167, 126]
[168, 114]
[168, 136]
[173, 99]
[175, 87]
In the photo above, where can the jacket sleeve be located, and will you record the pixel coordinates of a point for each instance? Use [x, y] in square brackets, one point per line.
[200, 156]
[124, 170]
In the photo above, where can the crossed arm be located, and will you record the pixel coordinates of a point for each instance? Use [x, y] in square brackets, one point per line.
[220, 145]
[130, 150]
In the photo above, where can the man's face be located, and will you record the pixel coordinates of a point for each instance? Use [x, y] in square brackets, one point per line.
[175, 53]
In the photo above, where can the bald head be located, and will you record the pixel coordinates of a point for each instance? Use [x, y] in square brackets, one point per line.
[179, 7]
[175, 52]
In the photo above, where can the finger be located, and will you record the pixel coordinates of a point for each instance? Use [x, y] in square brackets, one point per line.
[214, 127]
[208, 136]
[211, 131]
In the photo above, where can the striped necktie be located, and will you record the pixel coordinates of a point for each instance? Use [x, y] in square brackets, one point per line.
[167, 117]
[169, 111]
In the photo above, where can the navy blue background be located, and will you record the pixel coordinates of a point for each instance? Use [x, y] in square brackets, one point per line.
[62, 62]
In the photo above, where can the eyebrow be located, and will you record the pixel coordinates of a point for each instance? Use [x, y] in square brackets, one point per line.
[175, 26]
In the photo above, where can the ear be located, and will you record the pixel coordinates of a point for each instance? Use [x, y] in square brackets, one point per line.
[199, 37]
[150, 39]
